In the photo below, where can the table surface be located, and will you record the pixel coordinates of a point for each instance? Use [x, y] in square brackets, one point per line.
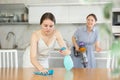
[59, 74]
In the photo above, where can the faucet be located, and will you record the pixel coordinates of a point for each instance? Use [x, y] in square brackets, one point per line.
[14, 39]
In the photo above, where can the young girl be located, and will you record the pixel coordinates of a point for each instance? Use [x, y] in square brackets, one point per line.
[43, 41]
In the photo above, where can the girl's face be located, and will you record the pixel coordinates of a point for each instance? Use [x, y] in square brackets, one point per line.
[90, 22]
[47, 26]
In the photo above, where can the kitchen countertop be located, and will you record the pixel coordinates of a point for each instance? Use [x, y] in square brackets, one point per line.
[59, 74]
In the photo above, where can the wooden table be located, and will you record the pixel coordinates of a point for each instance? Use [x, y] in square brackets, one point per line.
[59, 74]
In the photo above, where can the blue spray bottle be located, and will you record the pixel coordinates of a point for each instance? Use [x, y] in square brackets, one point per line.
[68, 63]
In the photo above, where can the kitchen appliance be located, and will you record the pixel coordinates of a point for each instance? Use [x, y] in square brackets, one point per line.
[116, 17]
[116, 20]
[116, 35]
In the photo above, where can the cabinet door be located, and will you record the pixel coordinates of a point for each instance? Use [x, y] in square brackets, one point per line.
[60, 13]
[12, 1]
[78, 14]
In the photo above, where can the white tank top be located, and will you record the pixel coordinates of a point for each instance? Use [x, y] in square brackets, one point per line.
[44, 51]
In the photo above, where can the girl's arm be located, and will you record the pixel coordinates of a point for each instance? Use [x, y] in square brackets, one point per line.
[33, 53]
[62, 43]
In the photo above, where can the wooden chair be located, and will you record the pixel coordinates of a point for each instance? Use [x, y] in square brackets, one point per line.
[8, 59]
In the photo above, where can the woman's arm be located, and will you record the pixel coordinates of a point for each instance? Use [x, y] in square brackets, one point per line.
[33, 53]
[62, 43]
[75, 43]
[97, 46]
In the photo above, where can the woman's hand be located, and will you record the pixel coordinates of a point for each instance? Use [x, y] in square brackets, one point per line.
[77, 48]
[65, 52]
[44, 71]
[98, 49]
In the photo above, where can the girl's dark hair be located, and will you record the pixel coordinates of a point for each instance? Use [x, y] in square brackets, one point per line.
[47, 15]
[93, 15]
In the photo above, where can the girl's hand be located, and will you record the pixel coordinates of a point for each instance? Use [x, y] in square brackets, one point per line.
[65, 52]
[44, 71]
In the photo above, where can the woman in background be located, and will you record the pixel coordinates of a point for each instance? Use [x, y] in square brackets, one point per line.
[43, 41]
[89, 35]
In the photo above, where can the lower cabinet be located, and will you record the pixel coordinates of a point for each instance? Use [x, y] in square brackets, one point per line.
[101, 63]
[56, 60]
[102, 60]
[56, 63]
[20, 58]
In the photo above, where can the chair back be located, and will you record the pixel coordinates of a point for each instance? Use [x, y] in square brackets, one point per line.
[8, 59]
[26, 58]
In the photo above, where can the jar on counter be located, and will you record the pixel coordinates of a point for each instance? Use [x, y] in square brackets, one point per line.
[15, 18]
[24, 17]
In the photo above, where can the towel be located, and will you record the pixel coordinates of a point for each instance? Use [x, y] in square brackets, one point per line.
[50, 72]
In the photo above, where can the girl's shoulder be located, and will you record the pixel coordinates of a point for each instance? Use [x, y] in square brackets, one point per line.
[57, 33]
[36, 34]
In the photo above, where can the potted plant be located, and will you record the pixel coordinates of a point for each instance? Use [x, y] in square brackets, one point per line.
[115, 46]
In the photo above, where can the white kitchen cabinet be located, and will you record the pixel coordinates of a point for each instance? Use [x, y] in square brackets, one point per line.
[12, 1]
[20, 57]
[66, 13]
[78, 14]
[60, 13]
[103, 57]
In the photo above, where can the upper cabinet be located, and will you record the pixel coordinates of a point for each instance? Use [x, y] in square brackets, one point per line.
[60, 13]
[78, 13]
[66, 13]
[13, 14]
